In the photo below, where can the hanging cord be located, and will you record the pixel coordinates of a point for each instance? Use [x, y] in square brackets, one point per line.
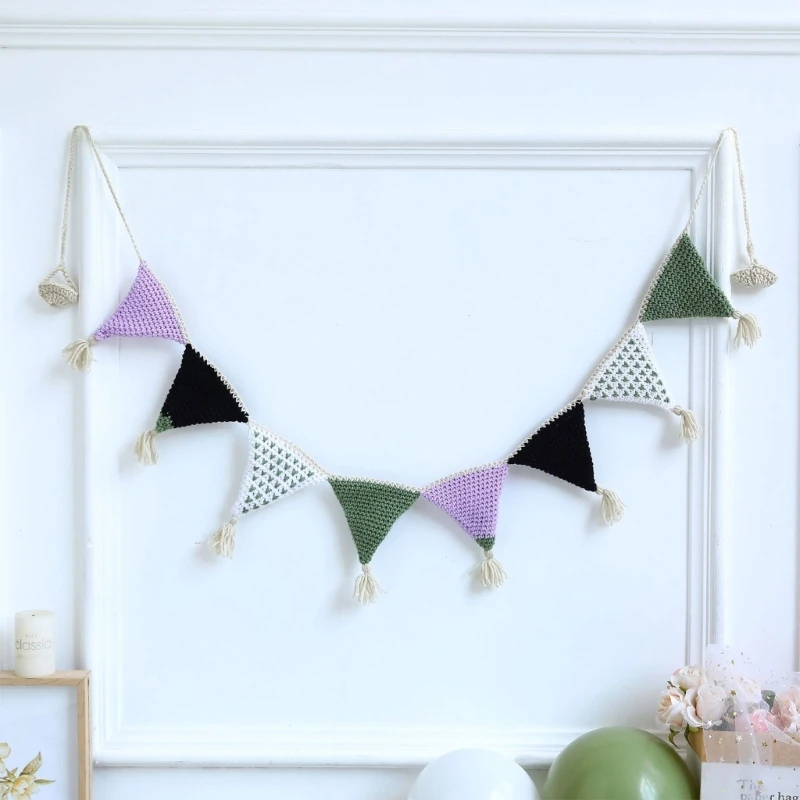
[756, 274]
[102, 166]
[63, 292]
[73, 140]
[59, 293]
[707, 177]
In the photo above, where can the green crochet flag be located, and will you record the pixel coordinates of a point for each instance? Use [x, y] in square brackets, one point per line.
[371, 509]
[685, 288]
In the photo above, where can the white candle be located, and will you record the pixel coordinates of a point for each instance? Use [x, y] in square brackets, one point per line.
[34, 647]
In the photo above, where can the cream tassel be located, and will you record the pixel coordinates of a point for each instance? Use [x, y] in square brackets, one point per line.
[223, 541]
[748, 331]
[146, 448]
[79, 354]
[490, 571]
[612, 507]
[690, 427]
[367, 588]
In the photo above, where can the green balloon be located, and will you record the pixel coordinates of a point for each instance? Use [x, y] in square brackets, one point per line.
[619, 764]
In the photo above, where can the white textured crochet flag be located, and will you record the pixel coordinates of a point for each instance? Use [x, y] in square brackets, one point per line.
[275, 469]
[629, 373]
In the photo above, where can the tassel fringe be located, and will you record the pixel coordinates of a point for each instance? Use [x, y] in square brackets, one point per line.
[224, 540]
[490, 571]
[690, 427]
[146, 448]
[367, 588]
[612, 507]
[79, 354]
[748, 331]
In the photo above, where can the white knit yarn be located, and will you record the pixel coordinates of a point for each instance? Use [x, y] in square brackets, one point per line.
[276, 468]
[629, 373]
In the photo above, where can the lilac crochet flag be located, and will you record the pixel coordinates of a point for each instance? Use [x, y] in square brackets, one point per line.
[147, 311]
[472, 500]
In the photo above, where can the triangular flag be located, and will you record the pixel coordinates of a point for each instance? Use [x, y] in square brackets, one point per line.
[472, 500]
[629, 373]
[148, 310]
[371, 509]
[275, 469]
[561, 448]
[199, 394]
[684, 288]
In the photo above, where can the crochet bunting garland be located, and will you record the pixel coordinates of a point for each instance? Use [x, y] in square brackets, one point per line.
[200, 394]
[681, 288]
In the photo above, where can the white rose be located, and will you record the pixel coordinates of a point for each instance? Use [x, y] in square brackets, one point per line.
[5, 751]
[687, 678]
[748, 692]
[672, 707]
[689, 712]
[709, 704]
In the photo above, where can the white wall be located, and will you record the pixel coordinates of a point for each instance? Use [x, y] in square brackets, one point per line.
[509, 204]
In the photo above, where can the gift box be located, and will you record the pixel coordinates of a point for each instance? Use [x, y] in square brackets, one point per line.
[728, 747]
[776, 776]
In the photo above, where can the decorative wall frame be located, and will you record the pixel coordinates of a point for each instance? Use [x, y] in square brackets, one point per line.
[95, 26]
[705, 602]
[81, 681]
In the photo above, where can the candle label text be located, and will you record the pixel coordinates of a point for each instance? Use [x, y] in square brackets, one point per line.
[34, 646]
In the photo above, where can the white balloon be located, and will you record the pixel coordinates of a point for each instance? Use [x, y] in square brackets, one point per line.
[473, 775]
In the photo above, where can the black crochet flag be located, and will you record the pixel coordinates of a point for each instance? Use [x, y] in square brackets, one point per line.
[561, 448]
[199, 394]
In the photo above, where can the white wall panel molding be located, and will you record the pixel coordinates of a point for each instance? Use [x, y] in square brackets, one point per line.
[6, 618]
[169, 743]
[474, 35]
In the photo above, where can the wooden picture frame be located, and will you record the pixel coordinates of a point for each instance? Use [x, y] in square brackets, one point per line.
[80, 679]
